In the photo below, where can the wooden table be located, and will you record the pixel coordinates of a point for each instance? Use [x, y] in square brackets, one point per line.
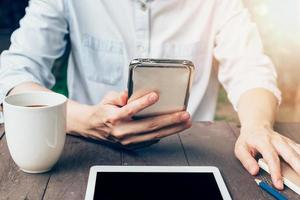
[204, 144]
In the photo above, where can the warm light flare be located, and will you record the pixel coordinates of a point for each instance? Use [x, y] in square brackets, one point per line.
[279, 25]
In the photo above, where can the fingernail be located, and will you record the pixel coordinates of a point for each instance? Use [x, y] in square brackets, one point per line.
[185, 116]
[279, 184]
[253, 171]
[189, 125]
[153, 97]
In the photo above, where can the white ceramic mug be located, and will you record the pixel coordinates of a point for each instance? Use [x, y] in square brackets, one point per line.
[35, 135]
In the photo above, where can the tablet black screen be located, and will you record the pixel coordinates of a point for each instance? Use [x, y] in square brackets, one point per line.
[154, 185]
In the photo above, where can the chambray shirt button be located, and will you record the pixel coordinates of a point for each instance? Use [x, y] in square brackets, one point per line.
[143, 6]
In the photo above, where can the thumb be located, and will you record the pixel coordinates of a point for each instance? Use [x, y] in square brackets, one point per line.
[116, 98]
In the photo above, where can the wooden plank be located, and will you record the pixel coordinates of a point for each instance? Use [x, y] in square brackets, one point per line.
[212, 144]
[235, 129]
[1, 130]
[168, 151]
[289, 130]
[69, 178]
[15, 184]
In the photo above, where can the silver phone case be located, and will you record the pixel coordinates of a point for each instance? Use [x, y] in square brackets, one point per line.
[171, 79]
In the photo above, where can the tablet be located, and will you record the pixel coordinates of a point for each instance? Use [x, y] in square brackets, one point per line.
[155, 182]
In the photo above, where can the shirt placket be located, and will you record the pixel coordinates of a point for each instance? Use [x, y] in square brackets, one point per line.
[142, 28]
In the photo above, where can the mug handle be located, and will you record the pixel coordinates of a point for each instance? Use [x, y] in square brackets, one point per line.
[1, 120]
[1, 129]
[1, 115]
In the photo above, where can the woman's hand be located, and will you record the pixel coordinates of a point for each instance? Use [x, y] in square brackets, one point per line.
[111, 120]
[271, 145]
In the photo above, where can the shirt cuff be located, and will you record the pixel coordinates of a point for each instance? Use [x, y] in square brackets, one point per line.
[234, 96]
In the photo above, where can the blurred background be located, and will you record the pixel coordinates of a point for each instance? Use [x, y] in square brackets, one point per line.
[279, 25]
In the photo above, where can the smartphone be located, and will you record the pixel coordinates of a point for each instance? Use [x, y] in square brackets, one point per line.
[170, 79]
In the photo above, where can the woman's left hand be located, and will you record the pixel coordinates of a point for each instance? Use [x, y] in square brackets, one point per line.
[271, 145]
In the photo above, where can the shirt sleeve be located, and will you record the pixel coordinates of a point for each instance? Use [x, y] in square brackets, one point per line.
[39, 41]
[238, 48]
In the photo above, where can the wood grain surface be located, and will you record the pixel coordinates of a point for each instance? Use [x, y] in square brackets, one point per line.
[205, 144]
[69, 177]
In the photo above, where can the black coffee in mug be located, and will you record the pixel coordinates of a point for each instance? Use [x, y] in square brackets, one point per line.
[36, 106]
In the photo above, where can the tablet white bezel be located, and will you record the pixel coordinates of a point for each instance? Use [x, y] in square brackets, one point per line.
[185, 169]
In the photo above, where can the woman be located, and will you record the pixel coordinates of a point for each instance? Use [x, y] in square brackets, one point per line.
[105, 35]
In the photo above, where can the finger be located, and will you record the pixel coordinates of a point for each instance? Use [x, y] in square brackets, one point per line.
[293, 144]
[94, 134]
[150, 124]
[138, 105]
[271, 157]
[140, 145]
[156, 135]
[139, 93]
[124, 97]
[115, 98]
[287, 153]
[244, 155]
[99, 133]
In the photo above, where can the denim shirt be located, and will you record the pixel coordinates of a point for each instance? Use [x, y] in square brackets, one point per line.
[105, 35]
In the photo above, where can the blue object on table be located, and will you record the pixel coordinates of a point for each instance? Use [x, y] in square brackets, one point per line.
[270, 190]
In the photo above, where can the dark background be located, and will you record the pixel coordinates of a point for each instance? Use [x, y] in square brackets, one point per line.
[11, 11]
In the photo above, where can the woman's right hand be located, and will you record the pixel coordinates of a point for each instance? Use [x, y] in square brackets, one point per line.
[112, 120]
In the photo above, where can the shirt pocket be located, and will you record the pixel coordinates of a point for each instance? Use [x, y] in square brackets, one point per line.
[103, 60]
